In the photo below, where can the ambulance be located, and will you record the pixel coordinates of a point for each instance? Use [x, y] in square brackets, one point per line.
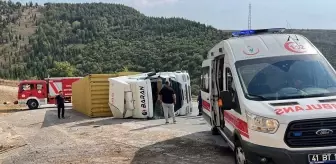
[272, 96]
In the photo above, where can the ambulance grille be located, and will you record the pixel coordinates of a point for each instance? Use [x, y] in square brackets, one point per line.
[303, 133]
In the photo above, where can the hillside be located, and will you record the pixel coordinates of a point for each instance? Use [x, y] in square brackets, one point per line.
[102, 38]
[17, 23]
[324, 40]
[77, 39]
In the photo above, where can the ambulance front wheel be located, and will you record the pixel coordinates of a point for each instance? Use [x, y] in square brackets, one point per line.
[32, 104]
[239, 154]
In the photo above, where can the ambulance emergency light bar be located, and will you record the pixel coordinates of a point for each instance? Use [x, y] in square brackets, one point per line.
[256, 32]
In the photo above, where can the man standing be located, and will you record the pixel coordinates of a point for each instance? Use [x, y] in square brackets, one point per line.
[168, 99]
[60, 104]
[200, 107]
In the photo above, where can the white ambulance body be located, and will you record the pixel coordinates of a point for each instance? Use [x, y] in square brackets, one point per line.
[272, 97]
[135, 96]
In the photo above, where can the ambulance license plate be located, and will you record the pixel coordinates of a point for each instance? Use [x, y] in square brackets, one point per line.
[322, 158]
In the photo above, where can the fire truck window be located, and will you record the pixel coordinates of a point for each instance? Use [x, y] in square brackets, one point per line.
[27, 87]
[39, 86]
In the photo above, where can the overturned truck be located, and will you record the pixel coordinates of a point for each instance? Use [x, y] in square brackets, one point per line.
[136, 96]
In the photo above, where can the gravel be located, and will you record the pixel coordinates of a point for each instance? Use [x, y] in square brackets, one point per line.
[38, 136]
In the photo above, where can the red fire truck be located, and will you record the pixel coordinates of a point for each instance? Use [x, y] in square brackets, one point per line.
[35, 93]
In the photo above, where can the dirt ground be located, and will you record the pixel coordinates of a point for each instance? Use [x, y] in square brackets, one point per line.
[8, 94]
[38, 136]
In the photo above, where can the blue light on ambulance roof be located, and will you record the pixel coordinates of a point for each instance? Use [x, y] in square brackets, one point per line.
[255, 32]
[242, 33]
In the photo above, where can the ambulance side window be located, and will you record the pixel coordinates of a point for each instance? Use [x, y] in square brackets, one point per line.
[230, 86]
[205, 79]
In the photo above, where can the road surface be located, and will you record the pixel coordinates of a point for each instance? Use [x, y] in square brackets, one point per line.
[38, 136]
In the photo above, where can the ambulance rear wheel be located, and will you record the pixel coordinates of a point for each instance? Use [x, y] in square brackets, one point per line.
[239, 154]
[32, 104]
[214, 131]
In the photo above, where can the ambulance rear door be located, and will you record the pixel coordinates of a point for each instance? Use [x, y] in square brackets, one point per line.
[206, 90]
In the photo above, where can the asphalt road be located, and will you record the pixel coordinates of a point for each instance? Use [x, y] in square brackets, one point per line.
[38, 136]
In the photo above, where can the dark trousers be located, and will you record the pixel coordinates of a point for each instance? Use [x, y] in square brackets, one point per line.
[60, 108]
[200, 109]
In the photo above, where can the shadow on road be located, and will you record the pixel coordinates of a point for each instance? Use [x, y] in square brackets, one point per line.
[13, 110]
[51, 118]
[199, 147]
[148, 127]
[104, 121]
[25, 109]
[191, 117]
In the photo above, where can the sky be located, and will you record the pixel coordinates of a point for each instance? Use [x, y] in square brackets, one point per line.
[233, 14]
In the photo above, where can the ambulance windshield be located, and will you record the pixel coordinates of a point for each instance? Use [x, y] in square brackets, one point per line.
[286, 77]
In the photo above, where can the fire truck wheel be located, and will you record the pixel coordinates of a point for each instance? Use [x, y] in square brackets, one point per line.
[32, 104]
[239, 154]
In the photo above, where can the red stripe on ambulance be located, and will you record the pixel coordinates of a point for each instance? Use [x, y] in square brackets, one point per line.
[53, 87]
[238, 123]
[206, 105]
[299, 108]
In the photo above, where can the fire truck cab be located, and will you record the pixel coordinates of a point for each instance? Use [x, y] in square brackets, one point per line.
[35, 93]
[272, 96]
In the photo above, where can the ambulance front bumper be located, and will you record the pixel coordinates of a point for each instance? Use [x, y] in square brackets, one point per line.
[255, 154]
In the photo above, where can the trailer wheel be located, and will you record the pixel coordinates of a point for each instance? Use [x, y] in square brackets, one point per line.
[240, 157]
[32, 104]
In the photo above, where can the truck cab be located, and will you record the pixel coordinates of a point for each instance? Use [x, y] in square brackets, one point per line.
[35, 93]
[32, 93]
[136, 96]
[272, 96]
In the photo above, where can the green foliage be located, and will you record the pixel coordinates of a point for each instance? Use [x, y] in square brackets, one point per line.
[79, 39]
[125, 69]
[103, 38]
[62, 69]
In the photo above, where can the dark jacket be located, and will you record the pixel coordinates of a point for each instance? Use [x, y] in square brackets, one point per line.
[60, 100]
[199, 99]
[167, 94]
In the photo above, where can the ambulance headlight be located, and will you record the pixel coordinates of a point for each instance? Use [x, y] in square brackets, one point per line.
[261, 124]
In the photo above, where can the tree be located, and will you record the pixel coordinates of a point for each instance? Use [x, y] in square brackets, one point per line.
[62, 69]
[18, 4]
[104, 38]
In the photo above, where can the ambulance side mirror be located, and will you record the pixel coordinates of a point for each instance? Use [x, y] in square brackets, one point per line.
[227, 103]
